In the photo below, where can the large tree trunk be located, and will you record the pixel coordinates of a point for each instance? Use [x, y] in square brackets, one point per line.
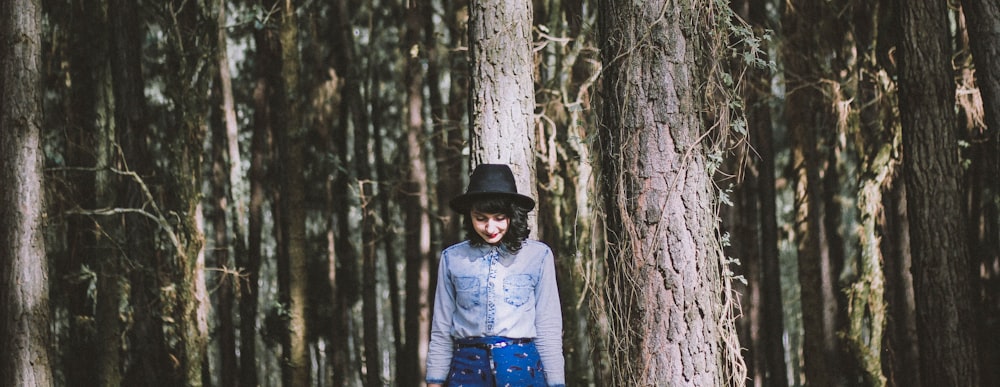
[664, 290]
[502, 94]
[24, 288]
[943, 273]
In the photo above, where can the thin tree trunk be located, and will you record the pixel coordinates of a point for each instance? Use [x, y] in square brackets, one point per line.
[809, 118]
[186, 86]
[290, 132]
[220, 277]
[773, 369]
[449, 139]
[416, 202]
[24, 288]
[131, 132]
[93, 239]
[943, 272]
[901, 328]
[982, 19]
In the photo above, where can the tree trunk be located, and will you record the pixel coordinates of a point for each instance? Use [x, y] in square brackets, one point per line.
[185, 298]
[416, 204]
[809, 118]
[664, 291]
[901, 329]
[267, 69]
[24, 288]
[773, 369]
[983, 23]
[93, 239]
[502, 94]
[219, 259]
[943, 272]
[289, 133]
[449, 142]
[566, 71]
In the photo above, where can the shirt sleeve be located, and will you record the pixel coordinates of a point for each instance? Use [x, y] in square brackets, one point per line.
[439, 350]
[548, 323]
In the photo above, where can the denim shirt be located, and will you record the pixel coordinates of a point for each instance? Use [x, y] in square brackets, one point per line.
[491, 291]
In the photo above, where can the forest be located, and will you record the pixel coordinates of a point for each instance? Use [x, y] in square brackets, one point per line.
[737, 192]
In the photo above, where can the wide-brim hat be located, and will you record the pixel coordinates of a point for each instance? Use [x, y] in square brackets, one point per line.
[491, 180]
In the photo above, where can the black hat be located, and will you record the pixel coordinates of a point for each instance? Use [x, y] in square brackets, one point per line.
[490, 180]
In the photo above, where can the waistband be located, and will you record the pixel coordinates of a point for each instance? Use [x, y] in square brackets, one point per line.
[489, 342]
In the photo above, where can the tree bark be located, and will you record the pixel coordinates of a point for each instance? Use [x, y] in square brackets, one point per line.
[664, 288]
[943, 273]
[24, 288]
[501, 90]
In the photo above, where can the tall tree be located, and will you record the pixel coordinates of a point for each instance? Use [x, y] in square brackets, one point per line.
[665, 291]
[24, 298]
[982, 18]
[190, 30]
[131, 135]
[943, 272]
[807, 56]
[416, 202]
[501, 89]
[289, 134]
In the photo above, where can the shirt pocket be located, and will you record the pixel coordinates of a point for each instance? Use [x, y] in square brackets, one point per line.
[518, 288]
[467, 292]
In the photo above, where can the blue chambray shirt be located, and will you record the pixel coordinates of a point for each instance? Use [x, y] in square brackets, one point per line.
[491, 291]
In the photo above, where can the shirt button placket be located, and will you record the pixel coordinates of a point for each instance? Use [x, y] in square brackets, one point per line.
[491, 306]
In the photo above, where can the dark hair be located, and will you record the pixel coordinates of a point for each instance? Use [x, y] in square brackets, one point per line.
[517, 229]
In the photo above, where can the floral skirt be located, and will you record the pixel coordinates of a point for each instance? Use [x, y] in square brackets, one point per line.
[495, 361]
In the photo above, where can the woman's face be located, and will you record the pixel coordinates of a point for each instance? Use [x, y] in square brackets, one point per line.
[491, 227]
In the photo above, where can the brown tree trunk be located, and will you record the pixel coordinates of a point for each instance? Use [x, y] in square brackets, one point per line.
[92, 239]
[289, 133]
[771, 349]
[24, 296]
[902, 370]
[664, 291]
[943, 272]
[501, 91]
[184, 298]
[346, 283]
[809, 118]
[566, 71]
[449, 139]
[267, 68]
[982, 18]
[219, 258]
[416, 202]
[130, 134]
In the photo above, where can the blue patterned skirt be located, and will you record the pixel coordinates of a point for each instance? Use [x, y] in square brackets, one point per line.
[495, 361]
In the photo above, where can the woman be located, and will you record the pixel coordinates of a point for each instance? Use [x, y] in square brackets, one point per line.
[497, 319]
